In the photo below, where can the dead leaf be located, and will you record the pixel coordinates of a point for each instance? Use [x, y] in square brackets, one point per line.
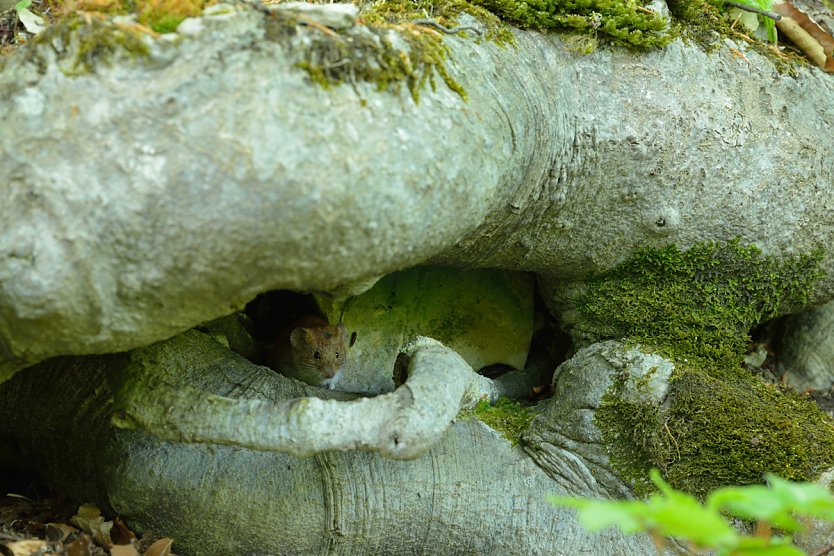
[120, 534]
[123, 550]
[58, 532]
[82, 546]
[87, 511]
[31, 21]
[803, 40]
[90, 520]
[162, 547]
[30, 548]
[814, 41]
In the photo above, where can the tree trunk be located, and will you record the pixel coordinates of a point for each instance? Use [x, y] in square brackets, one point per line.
[471, 493]
[214, 169]
[170, 188]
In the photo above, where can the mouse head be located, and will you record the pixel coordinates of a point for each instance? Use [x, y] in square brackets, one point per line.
[321, 348]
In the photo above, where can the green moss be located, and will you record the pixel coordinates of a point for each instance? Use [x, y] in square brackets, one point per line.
[622, 21]
[507, 417]
[444, 12]
[719, 425]
[91, 40]
[695, 12]
[697, 305]
[84, 30]
[373, 57]
[715, 432]
[164, 16]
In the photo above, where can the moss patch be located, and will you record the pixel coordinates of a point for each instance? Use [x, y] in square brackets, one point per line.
[507, 417]
[392, 56]
[623, 21]
[698, 305]
[444, 12]
[163, 16]
[397, 48]
[720, 425]
[715, 433]
[87, 41]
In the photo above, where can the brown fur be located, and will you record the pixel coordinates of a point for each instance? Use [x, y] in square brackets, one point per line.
[312, 350]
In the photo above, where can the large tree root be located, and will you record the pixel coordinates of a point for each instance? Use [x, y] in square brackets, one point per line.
[472, 492]
[154, 393]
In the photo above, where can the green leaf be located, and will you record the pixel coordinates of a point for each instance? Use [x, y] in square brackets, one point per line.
[803, 498]
[681, 515]
[671, 513]
[775, 505]
[600, 514]
[676, 514]
[756, 503]
[22, 5]
[757, 546]
[769, 24]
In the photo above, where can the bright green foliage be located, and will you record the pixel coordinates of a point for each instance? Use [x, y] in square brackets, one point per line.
[778, 505]
[670, 513]
[506, 416]
[620, 20]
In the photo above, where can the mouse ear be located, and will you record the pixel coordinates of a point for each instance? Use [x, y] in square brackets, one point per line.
[297, 336]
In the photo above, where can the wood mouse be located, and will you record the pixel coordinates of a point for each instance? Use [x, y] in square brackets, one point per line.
[311, 350]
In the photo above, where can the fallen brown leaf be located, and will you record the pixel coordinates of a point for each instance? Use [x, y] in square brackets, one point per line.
[58, 532]
[82, 546]
[808, 35]
[120, 534]
[90, 520]
[162, 547]
[30, 548]
[123, 550]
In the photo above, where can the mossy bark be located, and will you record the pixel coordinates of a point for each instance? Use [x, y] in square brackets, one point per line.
[472, 493]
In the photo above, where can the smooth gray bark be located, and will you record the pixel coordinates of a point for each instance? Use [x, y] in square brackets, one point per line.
[215, 170]
[472, 493]
[162, 390]
[806, 357]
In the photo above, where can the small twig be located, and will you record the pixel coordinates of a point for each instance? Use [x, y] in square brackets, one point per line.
[772, 15]
[303, 19]
[452, 31]
[671, 436]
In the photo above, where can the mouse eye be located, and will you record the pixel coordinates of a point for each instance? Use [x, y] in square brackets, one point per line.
[317, 355]
[337, 355]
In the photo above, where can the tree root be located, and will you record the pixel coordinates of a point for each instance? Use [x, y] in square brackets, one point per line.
[153, 394]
